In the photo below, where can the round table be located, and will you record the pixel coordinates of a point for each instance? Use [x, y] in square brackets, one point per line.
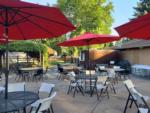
[16, 101]
[30, 68]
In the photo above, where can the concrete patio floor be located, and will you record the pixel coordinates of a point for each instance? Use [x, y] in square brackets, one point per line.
[64, 103]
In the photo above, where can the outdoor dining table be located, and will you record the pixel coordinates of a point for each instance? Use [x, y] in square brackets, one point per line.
[30, 68]
[17, 101]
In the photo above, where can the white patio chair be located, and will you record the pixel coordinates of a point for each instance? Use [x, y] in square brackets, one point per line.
[75, 84]
[132, 94]
[101, 87]
[45, 88]
[14, 87]
[44, 105]
[141, 102]
[116, 67]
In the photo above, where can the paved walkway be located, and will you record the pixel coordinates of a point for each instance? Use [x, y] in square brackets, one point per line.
[64, 103]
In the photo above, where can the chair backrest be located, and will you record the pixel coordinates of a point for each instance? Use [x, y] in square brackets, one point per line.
[111, 73]
[13, 87]
[129, 84]
[46, 88]
[72, 73]
[141, 102]
[101, 67]
[60, 69]
[44, 104]
[88, 72]
[112, 62]
[116, 67]
[40, 71]
[102, 79]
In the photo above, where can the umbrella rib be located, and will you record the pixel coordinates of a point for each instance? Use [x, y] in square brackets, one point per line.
[9, 7]
[46, 19]
[13, 16]
[19, 20]
[20, 30]
[2, 18]
[38, 26]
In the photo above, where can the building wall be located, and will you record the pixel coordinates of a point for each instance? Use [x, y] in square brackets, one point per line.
[137, 56]
[101, 57]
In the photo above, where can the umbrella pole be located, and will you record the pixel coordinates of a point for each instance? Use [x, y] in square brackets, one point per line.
[6, 36]
[89, 67]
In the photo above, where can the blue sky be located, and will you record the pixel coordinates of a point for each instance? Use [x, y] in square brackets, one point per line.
[123, 9]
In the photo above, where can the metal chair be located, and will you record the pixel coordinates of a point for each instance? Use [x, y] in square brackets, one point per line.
[22, 75]
[38, 75]
[61, 73]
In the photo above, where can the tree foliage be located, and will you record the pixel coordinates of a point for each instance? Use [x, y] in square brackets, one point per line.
[28, 46]
[24, 46]
[88, 16]
[143, 7]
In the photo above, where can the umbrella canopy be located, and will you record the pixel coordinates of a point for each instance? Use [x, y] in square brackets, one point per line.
[89, 39]
[138, 28]
[32, 21]
[21, 21]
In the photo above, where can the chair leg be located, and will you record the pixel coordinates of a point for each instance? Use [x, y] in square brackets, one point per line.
[131, 103]
[49, 111]
[107, 92]
[93, 90]
[81, 90]
[31, 110]
[126, 104]
[74, 91]
[51, 106]
[97, 94]
[101, 93]
[69, 89]
[24, 110]
[113, 88]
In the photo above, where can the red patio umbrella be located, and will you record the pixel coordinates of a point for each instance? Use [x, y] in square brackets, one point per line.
[87, 39]
[138, 28]
[21, 21]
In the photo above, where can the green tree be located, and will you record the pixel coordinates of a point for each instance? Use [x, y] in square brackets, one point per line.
[88, 16]
[53, 43]
[143, 7]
